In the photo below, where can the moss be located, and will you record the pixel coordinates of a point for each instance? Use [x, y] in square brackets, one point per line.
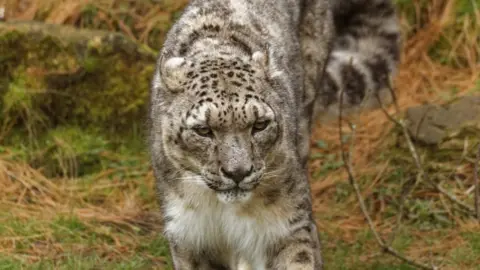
[81, 77]
[73, 151]
[17, 96]
[19, 102]
[68, 151]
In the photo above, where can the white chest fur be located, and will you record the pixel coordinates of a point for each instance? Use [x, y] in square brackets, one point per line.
[204, 222]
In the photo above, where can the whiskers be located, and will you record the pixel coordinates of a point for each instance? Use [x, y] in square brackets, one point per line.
[269, 174]
[194, 179]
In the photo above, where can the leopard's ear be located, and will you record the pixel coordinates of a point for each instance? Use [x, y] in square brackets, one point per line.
[260, 59]
[174, 73]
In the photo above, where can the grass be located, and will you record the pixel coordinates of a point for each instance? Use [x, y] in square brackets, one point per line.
[77, 199]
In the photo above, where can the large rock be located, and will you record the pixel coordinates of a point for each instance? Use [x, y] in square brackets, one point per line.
[432, 124]
[53, 74]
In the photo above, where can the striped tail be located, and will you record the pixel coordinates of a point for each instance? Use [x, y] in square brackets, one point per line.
[364, 57]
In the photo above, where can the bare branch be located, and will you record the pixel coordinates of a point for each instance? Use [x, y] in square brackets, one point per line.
[477, 185]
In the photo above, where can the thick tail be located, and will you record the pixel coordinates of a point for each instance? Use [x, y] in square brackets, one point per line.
[364, 57]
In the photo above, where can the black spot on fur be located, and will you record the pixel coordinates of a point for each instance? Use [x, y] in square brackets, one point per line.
[167, 219]
[271, 196]
[330, 89]
[380, 71]
[303, 205]
[295, 219]
[183, 49]
[242, 45]
[354, 84]
[303, 257]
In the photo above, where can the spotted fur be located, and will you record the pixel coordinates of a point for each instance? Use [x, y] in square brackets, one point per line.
[237, 86]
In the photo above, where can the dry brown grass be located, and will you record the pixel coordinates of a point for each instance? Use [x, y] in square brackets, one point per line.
[111, 208]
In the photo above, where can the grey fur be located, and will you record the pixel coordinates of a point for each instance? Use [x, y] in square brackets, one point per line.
[237, 86]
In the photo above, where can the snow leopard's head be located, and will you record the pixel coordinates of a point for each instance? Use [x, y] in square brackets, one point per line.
[221, 122]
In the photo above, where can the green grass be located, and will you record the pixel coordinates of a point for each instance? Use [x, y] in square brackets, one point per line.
[72, 261]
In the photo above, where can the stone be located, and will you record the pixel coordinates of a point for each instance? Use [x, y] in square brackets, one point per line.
[433, 124]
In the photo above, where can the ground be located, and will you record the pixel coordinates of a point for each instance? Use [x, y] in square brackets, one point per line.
[77, 195]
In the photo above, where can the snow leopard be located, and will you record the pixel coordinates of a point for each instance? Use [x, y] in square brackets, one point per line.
[237, 87]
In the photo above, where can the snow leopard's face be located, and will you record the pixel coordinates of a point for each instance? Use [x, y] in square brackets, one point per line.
[221, 125]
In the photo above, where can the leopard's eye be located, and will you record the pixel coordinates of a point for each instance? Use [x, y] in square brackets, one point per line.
[203, 131]
[260, 125]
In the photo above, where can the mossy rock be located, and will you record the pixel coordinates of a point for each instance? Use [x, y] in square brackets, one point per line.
[51, 75]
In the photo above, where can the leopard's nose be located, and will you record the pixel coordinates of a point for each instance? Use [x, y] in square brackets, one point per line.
[238, 174]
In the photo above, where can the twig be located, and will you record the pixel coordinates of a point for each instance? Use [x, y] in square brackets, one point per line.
[348, 166]
[477, 185]
[418, 178]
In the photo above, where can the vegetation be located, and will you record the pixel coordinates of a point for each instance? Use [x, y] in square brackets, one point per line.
[76, 190]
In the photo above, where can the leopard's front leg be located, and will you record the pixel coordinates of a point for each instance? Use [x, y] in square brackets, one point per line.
[300, 251]
[184, 258]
